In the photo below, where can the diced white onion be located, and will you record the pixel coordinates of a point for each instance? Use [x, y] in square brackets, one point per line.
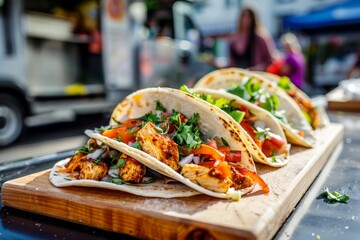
[196, 159]
[113, 172]
[186, 160]
[216, 163]
[99, 143]
[259, 124]
[105, 178]
[95, 154]
[145, 179]
[130, 144]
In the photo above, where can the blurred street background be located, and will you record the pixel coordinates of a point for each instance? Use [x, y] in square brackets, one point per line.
[64, 65]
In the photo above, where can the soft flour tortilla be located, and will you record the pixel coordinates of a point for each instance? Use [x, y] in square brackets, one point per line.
[260, 114]
[211, 122]
[226, 78]
[156, 189]
[320, 119]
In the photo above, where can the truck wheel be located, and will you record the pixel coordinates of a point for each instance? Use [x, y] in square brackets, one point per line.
[11, 119]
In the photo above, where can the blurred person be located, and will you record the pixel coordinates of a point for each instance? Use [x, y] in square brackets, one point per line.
[252, 46]
[293, 65]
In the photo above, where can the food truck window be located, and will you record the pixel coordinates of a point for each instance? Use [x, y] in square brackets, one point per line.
[6, 37]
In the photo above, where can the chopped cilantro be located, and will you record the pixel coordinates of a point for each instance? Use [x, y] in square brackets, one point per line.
[119, 137]
[187, 133]
[262, 134]
[151, 180]
[102, 129]
[333, 197]
[81, 149]
[120, 163]
[224, 142]
[271, 103]
[238, 91]
[117, 122]
[159, 106]
[273, 159]
[136, 145]
[151, 117]
[117, 180]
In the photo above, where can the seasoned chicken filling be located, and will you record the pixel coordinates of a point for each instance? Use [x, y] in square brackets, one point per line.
[95, 162]
[160, 146]
[175, 140]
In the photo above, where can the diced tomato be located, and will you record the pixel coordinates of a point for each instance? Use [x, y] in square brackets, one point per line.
[233, 156]
[269, 148]
[256, 178]
[276, 139]
[249, 129]
[207, 150]
[125, 136]
[207, 164]
[224, 149]
[224, 168]
[212, 143]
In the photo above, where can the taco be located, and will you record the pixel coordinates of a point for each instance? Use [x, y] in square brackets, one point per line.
[260, 131]
[98, 165]
[311, 113]
[265, 94]
[175, 134]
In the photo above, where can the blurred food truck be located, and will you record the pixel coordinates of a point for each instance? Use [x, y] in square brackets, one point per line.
[59, 59]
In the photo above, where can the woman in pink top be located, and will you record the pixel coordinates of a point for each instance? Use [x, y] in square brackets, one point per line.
[250, 48]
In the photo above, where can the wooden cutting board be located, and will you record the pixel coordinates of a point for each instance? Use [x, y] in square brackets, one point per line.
[338, 100]
[255, 216]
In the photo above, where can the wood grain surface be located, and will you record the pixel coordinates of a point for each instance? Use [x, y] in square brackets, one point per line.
[255, 216]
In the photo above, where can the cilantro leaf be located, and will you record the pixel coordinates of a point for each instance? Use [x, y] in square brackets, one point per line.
[117, 180]
[187, 133]
[271, 103]
[136, 145]
[120, 163]
[81, 149]
[151, 117]
[117, 122]
[102, 129]
[159, 106]
[333, 197]
[238, 91]
[225, 142]
[262, 134]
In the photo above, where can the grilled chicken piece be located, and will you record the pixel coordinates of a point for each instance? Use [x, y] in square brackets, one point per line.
[90, 170]
[209, 178]
[132, 171]
[239, 180]
[158, 145]
[75, 162]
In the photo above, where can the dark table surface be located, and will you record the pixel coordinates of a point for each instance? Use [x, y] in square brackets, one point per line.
[311, 219]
